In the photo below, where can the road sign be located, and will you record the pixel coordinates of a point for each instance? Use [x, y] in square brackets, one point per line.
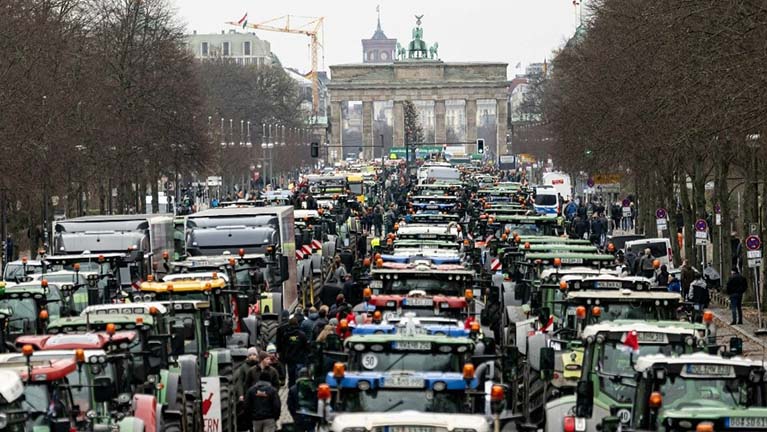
[717, 209]
[753, 243]
[626, 202]
[718, 219]
[701, 225]
[603, 179]
[590, 182]
[661, 224]
[661, 213]
[754, 262]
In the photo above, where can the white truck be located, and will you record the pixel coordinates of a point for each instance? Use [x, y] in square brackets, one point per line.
[560, 182]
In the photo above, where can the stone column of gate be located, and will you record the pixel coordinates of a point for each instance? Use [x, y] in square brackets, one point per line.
[335, 126]
[440, 132]
[399, 124]
[471, 125]
[500, 120]
[367, 129]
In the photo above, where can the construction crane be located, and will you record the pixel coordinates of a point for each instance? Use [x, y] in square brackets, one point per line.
[311, 26]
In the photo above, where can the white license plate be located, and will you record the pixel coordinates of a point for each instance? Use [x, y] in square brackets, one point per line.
[410, 429]
[412, 345]
[747, 422]
[617, 285]
[419, 302]
[403, 381]
[572, 260]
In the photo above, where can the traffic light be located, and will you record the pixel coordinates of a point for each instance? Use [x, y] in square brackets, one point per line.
[315, 149]
[481, 146]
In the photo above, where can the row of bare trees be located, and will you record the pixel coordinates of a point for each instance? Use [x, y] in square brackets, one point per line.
[100, 99]
[671, 94]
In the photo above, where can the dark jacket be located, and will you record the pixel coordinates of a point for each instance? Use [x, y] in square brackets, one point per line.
[307, 325]
[736, 285]
[699, 293]
[296, 346]
[256, 374]
[318, 326]
[263, 402]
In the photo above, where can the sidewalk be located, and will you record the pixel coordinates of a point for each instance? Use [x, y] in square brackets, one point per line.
[754, 346]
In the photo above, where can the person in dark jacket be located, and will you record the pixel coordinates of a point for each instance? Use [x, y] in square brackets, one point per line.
[662, 277]
[263, 371]
[736, 287]
[322, 321]
[302, 398]
[307, 325]
[263, 406]
[699, 297]
[295, 350]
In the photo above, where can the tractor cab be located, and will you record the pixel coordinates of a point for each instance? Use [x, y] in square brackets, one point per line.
[699, 392]
[611, 351]
[48, 401]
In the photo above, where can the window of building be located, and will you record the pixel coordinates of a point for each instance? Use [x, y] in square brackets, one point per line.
[225, 49]
[239, 60]
[204, 49]
[260, 61]
[246, 48]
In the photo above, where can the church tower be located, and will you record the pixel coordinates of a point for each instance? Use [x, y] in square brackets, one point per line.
[379, 48]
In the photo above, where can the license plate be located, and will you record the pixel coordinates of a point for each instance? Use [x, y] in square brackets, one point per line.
[403, 381]
[617, 285]
[572, 260]
[410, 429]
[746, 422]
[419, 302]
[412, 345]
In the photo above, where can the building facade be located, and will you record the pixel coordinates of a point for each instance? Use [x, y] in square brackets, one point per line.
[240, 48]
[456, 102]
[379, 48]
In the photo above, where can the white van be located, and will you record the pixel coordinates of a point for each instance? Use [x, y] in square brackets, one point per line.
[659, 247]
[546, 200]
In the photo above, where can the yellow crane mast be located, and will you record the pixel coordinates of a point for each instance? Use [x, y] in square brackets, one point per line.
[309, 26]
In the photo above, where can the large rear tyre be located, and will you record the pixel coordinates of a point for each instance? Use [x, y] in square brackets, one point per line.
[268, 332]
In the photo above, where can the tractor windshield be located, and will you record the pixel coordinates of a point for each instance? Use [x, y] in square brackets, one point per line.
[354, 400]
[615, 368]
[409, 360]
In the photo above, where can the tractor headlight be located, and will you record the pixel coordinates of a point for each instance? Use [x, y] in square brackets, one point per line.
[3, 420]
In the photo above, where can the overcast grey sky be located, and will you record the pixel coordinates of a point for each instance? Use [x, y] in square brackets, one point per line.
[510, 31]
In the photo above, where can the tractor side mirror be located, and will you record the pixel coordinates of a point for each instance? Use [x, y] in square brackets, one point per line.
[103, 390]
[177, 339]
[243, 306]
[547, 363]
[584, 399]
[284, 273]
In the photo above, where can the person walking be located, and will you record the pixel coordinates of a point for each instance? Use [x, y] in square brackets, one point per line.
[736, 287]
[646, 268]
[307, 325]
[699, 297]
[662, 276]
[262, 371]
[687, 276]
[296, 350]
[263, 406]
[302, 399]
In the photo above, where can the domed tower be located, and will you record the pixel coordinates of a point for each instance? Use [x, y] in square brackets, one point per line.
[379, 48]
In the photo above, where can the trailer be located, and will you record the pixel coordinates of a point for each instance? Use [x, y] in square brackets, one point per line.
[150, 235]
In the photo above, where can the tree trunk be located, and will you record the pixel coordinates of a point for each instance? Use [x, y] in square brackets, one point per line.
[689, 240]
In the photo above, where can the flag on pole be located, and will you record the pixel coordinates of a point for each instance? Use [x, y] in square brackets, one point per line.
[243, 21]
